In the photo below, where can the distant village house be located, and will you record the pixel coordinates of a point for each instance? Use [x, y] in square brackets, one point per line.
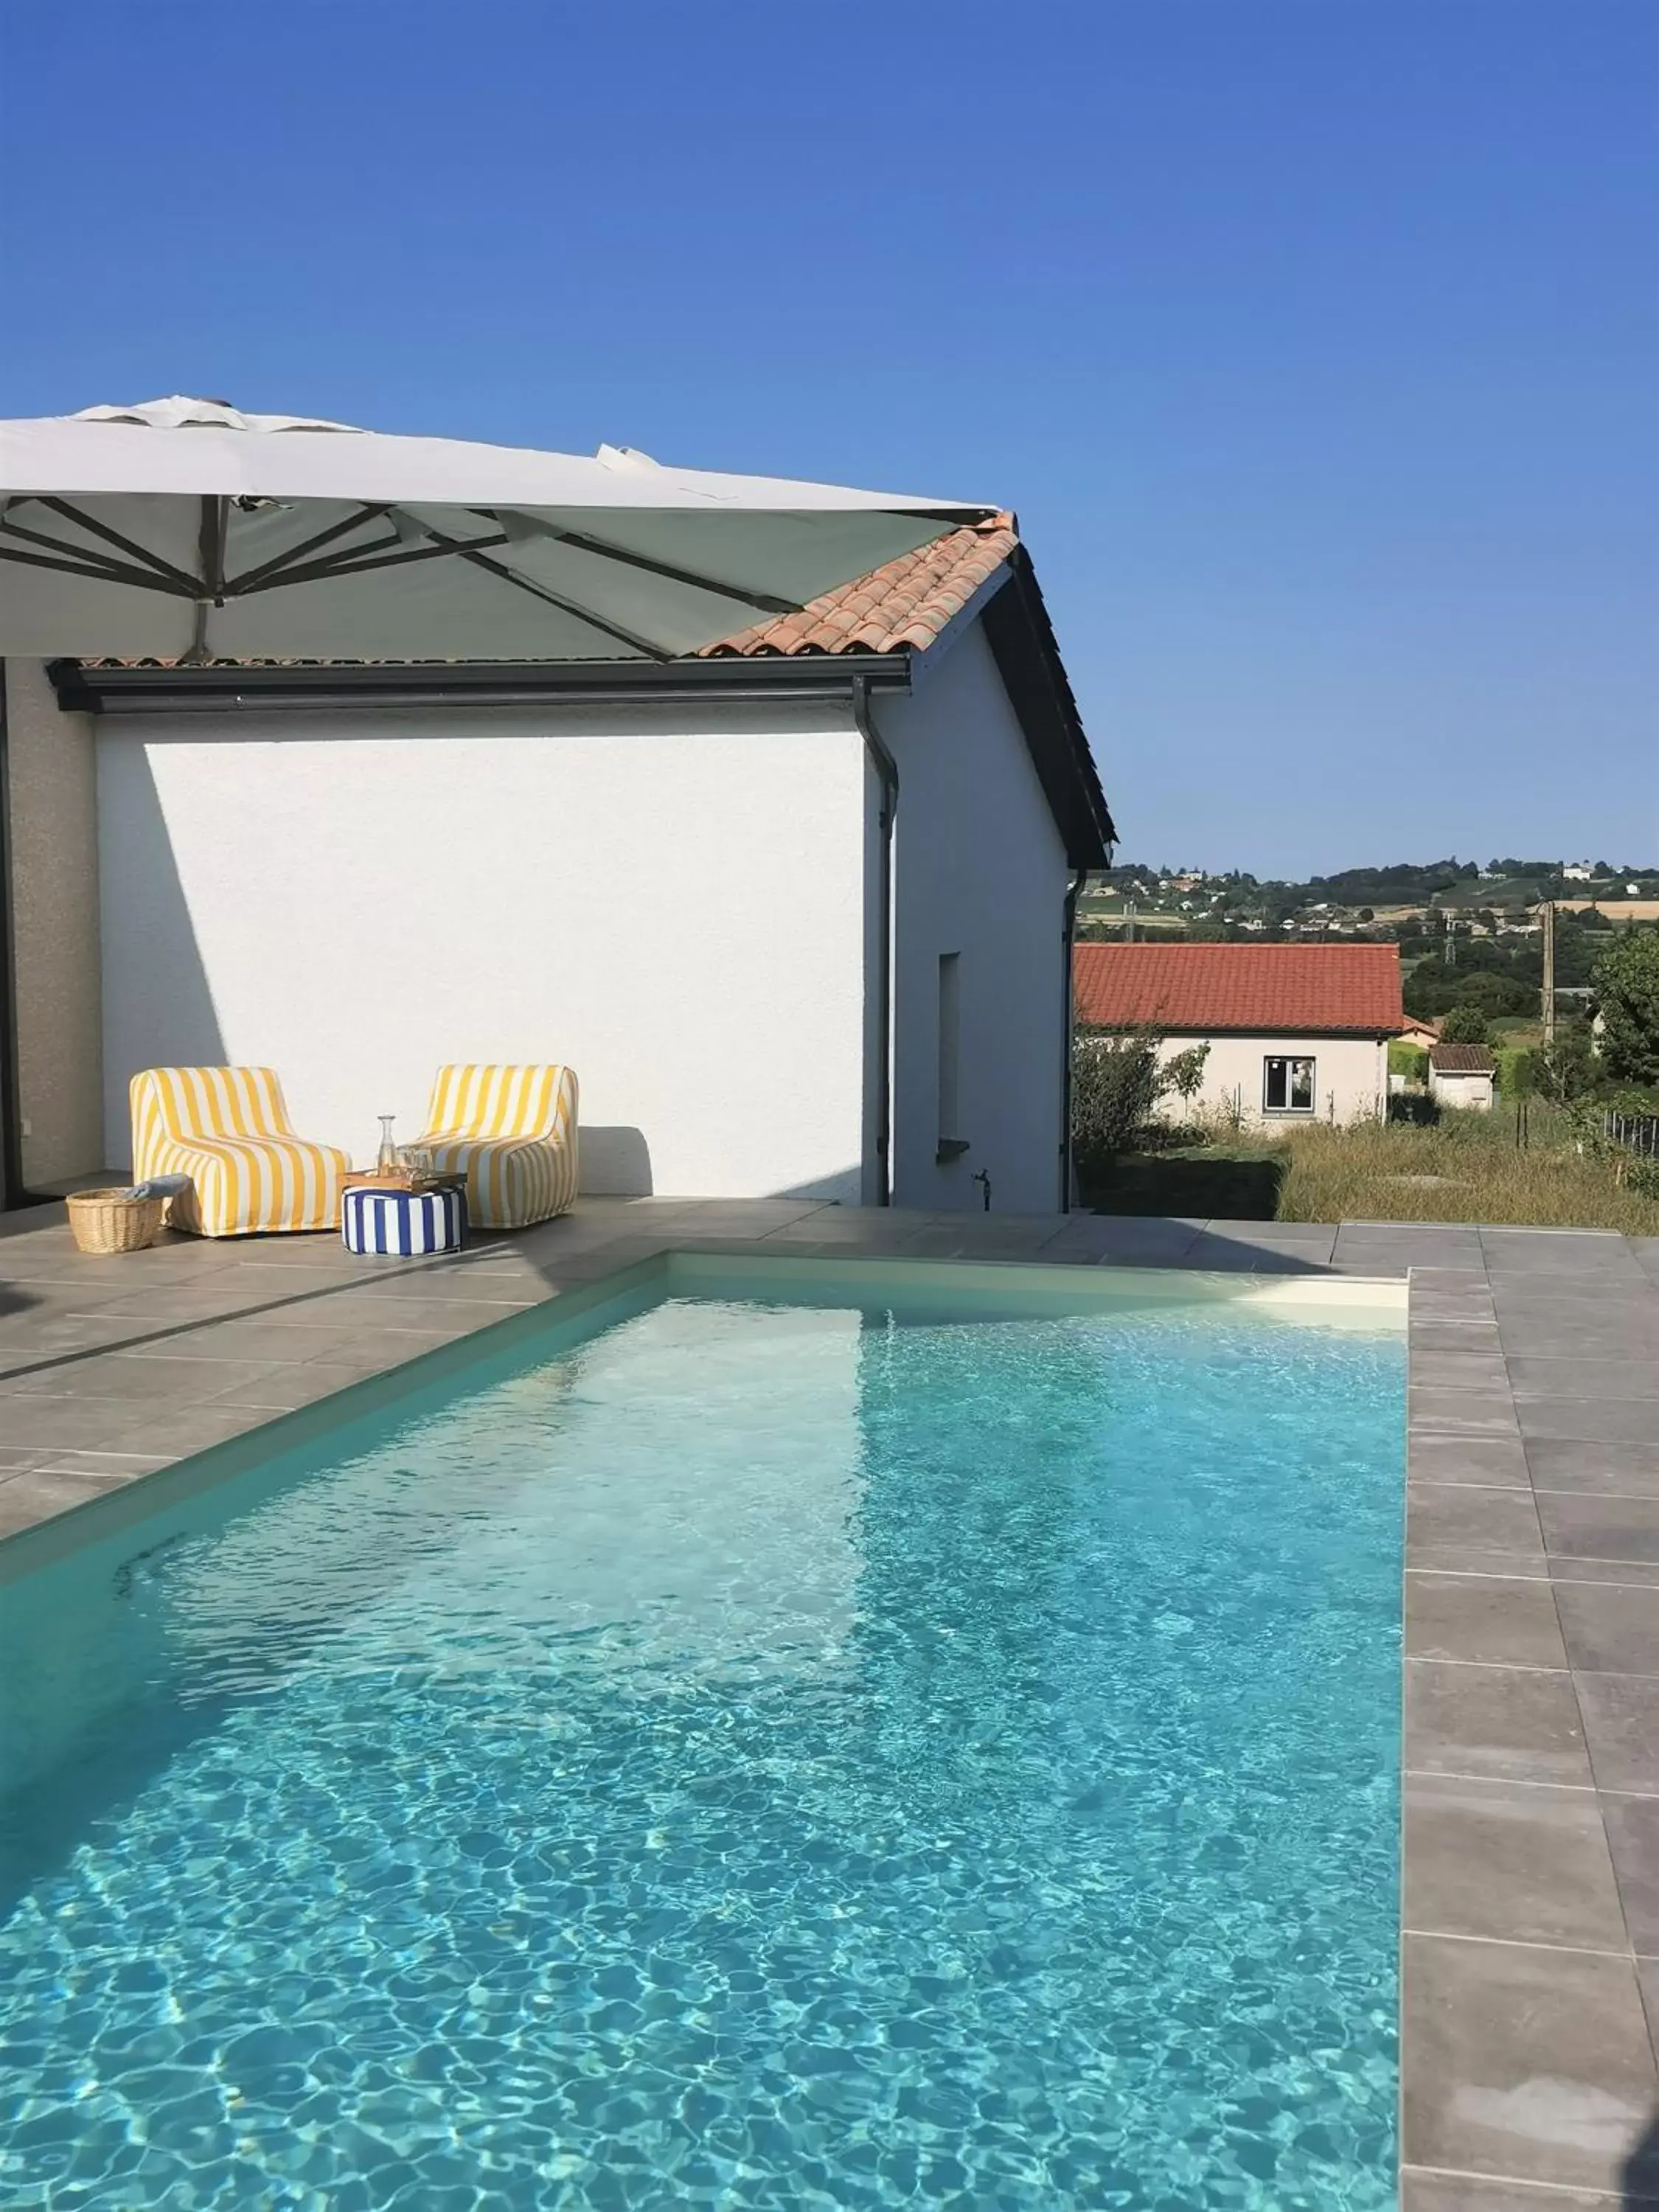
[1296, 1032]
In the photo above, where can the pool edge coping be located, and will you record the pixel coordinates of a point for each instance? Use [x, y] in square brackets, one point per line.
[88, 1520]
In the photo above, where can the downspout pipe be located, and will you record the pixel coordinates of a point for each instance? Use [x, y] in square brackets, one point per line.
[886, 770]
[1074, 893]
[12, 1191]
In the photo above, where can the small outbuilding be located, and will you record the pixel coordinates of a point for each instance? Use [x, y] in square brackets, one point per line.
[1462, 1075]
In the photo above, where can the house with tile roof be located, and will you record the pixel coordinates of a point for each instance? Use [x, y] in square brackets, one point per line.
[796, 907]
[1421, 1030]
[1295, 1032]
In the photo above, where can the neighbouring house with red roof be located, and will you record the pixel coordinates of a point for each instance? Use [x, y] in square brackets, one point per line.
[796, 907]
[1296, 1032]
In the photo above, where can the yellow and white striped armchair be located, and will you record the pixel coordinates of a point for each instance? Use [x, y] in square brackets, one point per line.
[512, 1132]
[227, 1129]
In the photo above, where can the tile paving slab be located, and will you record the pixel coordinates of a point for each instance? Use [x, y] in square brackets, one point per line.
[1528, 2076]
[1499, 1860]
[1503, 1622]
[1531, 1865]
[1523, 2063]
[1489, 1517]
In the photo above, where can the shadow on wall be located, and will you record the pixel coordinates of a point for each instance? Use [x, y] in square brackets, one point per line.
[839, 1190]
[185, 1032]
[614, 1163]
[158, 1002]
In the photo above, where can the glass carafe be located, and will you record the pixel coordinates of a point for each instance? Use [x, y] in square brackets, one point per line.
[387, 1162]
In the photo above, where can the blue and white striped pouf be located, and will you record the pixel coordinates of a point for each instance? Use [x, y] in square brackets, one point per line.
[403, 1222]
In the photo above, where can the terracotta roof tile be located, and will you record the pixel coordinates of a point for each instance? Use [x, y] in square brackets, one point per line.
[1283, 989]
[907, 602]
[1461, 1060]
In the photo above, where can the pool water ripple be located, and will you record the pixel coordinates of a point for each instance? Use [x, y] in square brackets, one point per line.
[767, 1756]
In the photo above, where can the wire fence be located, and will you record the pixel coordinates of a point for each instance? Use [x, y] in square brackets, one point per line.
[1636, 1133]
[1546, 1122]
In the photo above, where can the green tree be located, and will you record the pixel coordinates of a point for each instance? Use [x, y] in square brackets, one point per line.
[1465, 1024]
[1627, 992]
[1432, 987]
[1566, 1070]
[1117, 1080]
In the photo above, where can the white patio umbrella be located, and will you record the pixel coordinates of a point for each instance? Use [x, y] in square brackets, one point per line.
[185, 531]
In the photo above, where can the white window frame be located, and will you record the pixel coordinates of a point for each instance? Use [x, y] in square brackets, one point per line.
[1287, 1061]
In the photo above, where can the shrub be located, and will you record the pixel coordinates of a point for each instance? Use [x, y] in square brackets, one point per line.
[1114, 1086]
[1117, 1081]
[1219, 1121]
[1161, 1136]
[1415, 1107]
[1634, 1100]
[1517, 1071]
[1466, 1025]
[1411, 1060]
[1566, 1069]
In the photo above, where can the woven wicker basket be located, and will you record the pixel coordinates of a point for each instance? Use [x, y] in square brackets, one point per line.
[110, 1221]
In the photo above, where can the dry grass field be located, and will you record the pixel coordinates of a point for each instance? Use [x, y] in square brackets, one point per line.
[1455, 1172]
[1466, 1168]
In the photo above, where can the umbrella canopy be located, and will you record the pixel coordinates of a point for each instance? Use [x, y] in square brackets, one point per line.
[183, 529]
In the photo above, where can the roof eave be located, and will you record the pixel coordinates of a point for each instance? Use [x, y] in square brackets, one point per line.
[1022, 640]
[1365, 1032]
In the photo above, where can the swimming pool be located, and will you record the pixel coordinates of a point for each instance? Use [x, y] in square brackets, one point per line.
[814, 1742]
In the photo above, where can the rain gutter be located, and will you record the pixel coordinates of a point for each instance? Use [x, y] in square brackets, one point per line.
[151, 689]
[12, 1191]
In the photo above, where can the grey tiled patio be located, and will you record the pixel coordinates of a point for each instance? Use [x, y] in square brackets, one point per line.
[1531, 1751]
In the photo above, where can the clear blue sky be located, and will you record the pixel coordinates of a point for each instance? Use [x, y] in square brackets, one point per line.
[1316, 342]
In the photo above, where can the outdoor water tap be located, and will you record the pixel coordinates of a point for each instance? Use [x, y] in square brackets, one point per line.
[980, 1176]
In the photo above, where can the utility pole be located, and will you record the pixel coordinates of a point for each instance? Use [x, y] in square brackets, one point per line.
[1546, 916]
[1129, 921]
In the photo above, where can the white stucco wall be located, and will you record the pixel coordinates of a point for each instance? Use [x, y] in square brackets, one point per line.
[1470, 1091]
[54, 917]
[1351, 1075]
[980, 870]
[672, 899]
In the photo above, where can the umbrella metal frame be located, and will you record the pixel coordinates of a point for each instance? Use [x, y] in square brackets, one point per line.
[407, 541]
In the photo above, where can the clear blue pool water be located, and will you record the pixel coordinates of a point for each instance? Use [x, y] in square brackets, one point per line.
[767, 1755]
